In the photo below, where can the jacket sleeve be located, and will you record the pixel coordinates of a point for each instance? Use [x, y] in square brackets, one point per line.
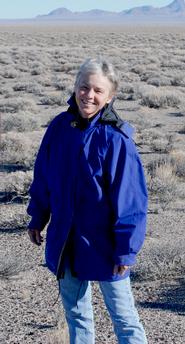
[39, 205]
[128, 197]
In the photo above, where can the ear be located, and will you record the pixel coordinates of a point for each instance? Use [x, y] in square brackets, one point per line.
[110, 98]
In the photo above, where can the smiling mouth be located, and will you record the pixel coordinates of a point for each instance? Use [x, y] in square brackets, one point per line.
[85, 102]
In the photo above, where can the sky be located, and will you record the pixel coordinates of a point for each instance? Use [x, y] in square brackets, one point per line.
[14, 9]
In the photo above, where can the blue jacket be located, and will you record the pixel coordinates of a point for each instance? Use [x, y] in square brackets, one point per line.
[88, 175]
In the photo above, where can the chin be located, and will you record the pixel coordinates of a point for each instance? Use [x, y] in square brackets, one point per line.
[86, 115]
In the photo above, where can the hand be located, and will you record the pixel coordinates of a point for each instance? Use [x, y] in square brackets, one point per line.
[120, 269]
[35, 236]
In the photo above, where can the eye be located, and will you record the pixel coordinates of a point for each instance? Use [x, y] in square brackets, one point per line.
[99, 91]
[84, 87]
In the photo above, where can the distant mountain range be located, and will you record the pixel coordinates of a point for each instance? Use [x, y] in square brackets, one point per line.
[172, 13]
[175, 9]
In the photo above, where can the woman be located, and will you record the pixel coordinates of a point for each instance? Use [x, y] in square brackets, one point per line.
[89, 185]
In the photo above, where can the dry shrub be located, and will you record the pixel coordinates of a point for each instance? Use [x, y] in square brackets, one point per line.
[6, 91]
[159, 98]
[63, 84]
[16, 185]
[172, 64]
[20, 148]
[60, 86]
[161, 261]
[23, 68]
[13, 216]
[138, 69]
[37, 69]
[11, 265]
[23, 121]
[10, 74]
[126, 91]
[178, 161]
[13, 105]
[141, 125]
[141, 89]
[182, 130]
[8, 268]
[156, 139]
[67, 67]
[162, 144]
[162, 182]
[54, 99]
[29, 87]
[45, 81]
[159, 81]
[5, 59]
[58, 68]
[149, 75]
[178, 80]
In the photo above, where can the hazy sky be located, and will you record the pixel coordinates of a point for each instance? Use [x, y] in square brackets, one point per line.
[31, 8]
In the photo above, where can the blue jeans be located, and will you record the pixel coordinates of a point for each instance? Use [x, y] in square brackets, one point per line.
[76, 299]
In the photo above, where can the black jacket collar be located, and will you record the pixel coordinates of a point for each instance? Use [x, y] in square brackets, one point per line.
[108, 114]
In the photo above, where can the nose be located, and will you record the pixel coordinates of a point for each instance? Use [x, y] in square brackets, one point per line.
[90, 93]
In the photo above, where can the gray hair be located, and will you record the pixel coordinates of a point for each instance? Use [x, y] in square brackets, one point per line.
[95, 66]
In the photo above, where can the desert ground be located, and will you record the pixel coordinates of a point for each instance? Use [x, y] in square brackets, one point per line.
[37, 70]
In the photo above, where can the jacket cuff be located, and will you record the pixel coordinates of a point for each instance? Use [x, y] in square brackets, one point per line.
[36, 224]
[129, 259]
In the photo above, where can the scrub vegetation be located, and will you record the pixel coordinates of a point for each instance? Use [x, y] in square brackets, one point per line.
[37, 70]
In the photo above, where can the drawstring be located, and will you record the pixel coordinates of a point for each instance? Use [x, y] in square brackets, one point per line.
[78, 293]
[57, 295]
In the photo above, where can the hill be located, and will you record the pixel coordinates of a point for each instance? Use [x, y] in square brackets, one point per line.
[174, 10]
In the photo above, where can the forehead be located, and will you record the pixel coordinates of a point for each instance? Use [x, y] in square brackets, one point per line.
[96, 80]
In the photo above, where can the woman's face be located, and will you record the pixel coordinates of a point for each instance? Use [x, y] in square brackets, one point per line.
[93, 92]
